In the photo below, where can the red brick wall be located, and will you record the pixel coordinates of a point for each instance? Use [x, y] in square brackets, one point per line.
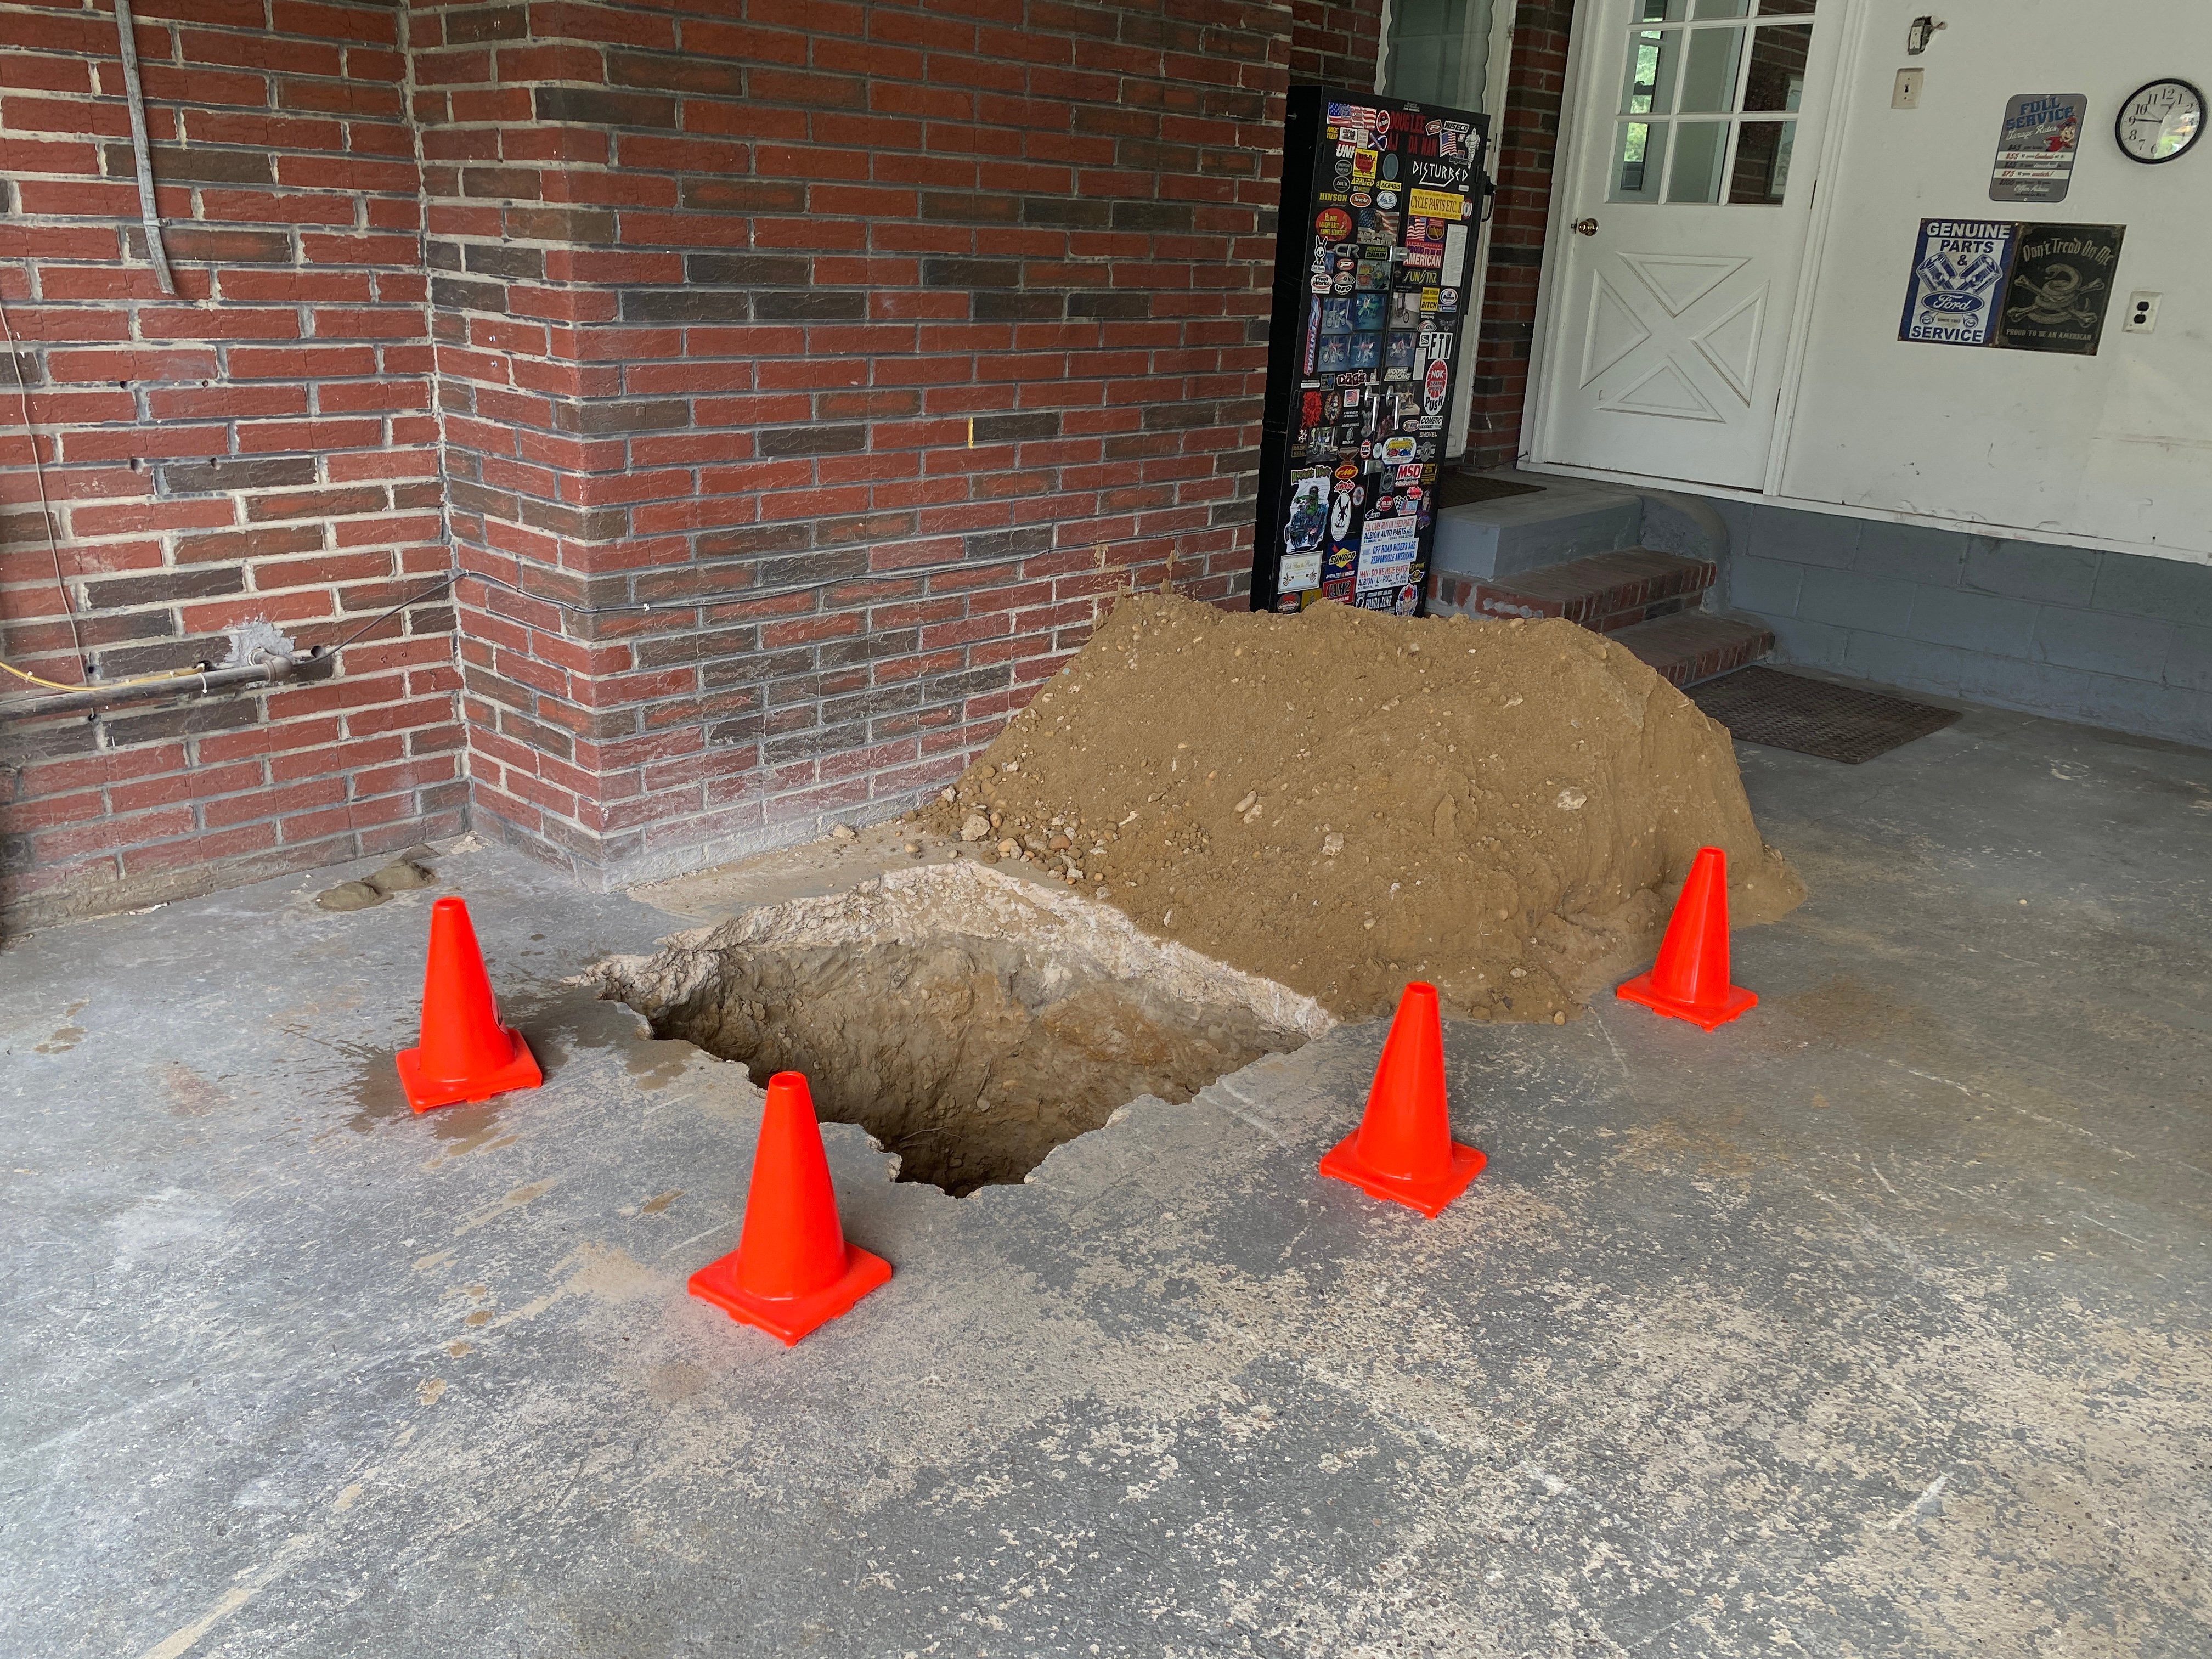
[870, 345]
[258, 447]
[1528, 140]
[801, 387]
[1336, 42]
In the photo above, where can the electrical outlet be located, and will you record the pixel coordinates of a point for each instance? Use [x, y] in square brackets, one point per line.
[2142, 313]
[1906, 93]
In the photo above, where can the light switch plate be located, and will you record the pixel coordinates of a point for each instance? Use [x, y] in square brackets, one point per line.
[1906, 93]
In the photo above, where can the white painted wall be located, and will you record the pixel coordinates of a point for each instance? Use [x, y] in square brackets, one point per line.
[2112, 451]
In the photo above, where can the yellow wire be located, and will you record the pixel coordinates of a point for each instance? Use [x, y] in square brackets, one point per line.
[99, 685]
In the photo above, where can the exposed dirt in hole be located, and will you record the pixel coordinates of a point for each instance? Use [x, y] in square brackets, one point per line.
[1343, 801]
[969, 1022]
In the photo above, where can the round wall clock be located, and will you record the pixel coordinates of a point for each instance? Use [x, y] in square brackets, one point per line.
[2161, 122]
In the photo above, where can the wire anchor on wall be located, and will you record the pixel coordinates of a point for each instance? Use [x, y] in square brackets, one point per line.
[141, 151]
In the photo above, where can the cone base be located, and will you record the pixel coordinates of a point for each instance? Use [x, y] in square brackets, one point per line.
[424, 1094]
[1342, 1164]
[788, 1318]
[1708, 1015]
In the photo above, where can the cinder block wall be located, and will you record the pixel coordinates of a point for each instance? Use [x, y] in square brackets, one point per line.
[259, 445]
[2116, 639]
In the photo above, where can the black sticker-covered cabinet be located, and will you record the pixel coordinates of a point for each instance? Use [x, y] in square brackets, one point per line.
[1381, 203]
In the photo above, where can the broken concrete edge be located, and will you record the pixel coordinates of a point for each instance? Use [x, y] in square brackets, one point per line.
[904, 906]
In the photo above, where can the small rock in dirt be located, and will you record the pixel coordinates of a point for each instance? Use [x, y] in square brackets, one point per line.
[349, 895]
[948, 794]
[400, 876]
[1008, 848]
[844, 832]
[1331, 846]
[1571, 800]
[975, 827]
[1059, 844]
[914, 847]
[1013, 766]
[1245, 805]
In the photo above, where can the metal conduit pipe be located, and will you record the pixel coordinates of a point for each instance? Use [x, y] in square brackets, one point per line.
[274, 666]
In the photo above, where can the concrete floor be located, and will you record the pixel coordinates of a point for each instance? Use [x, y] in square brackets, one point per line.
[1871, 1324]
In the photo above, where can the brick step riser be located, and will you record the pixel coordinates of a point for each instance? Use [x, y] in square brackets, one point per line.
[1505, 608]
[1678, 669]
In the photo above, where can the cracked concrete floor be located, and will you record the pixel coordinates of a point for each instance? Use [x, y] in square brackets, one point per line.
[1871, 1324]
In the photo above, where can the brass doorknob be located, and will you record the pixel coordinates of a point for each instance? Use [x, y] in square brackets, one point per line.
[1585, 226]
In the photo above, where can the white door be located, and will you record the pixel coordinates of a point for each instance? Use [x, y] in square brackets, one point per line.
[1688, 185]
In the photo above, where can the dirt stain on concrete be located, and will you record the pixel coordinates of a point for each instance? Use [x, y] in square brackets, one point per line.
[656, 1062]
[69, 1034]
[655, 1205]
[571, 1020]
[190, 1094]
[679, 1380]
[513, 1200]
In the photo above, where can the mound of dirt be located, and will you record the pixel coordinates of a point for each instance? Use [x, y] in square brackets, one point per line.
[1341, 801]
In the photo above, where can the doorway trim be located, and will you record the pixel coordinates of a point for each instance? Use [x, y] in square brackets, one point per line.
[1850, 18]
[1497, 81]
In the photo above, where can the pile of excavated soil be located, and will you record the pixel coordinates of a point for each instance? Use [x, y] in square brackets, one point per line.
[1342, 802]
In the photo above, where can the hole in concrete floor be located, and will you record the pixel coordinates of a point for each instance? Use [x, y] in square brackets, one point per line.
[968, 1021]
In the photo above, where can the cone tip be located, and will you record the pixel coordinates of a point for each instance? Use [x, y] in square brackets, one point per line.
[791, 1083]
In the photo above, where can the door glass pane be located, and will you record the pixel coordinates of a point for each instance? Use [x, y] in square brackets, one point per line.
[1648, 87]
[1639, 161]
[1776, 80]
[1705, 8]
[1699, 148]
[1656, 11]
[1438, 53]
[1709, 71]
[1761, 173]
[1784, 8]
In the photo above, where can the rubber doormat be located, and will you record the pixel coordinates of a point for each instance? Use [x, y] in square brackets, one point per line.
[1836, 722]
[1464, 489]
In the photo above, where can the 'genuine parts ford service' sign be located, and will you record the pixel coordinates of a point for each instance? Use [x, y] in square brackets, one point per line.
[1958, 278]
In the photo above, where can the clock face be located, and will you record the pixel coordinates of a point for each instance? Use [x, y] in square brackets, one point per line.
[2161, 122]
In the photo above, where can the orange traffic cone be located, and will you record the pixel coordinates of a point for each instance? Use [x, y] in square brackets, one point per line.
[1690, 980]
[1403, 1148]
[792, 1269]
[466, 1052]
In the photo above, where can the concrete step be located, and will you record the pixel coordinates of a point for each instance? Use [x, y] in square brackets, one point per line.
[1694, 645]
[1604, 592]
[1564, 519]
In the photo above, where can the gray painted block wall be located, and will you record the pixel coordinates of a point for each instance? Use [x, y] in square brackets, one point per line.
[2113, 639]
